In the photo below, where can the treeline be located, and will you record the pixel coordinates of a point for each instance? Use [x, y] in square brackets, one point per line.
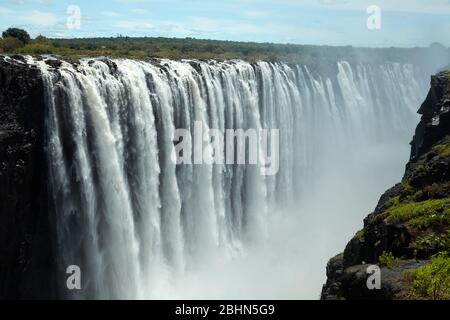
[190, 48]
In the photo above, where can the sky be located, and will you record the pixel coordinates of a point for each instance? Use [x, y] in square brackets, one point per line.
[402, 23]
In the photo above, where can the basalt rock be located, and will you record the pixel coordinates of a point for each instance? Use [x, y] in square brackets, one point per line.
[25, 236]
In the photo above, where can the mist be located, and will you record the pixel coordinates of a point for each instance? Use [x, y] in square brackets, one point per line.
[146, 228]
[290, 262]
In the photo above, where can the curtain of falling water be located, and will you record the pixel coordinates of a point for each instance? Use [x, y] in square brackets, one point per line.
[133, 220]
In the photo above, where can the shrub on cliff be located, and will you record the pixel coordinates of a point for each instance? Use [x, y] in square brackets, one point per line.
[431, 281]
[387, 259]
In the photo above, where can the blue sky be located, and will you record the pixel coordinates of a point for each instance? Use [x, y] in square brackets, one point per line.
[404, 23]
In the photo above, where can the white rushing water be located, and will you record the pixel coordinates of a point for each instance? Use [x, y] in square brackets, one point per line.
[141, 227]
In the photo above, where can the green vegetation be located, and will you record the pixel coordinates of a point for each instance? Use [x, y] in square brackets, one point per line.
[393, 202]
[359, 235]
[18, 34]
[439, 151]
[407, 189]
[431, 281]
[421, 214]
[13, 39]
[422, 207]
[443, 149]
[176, 48]
[387, 259]
[440, 241]
[433, 191]
[10, 44]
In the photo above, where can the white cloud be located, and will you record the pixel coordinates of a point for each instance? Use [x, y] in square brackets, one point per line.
[256, 14]
[39, 18]
[135, 24]
[410, 6]
[40, 2]
[131, 1]
[6, 11]
[205, 27]
[43, 2]
[109, 13]
[333, 2]
[162, 28]
[139, 11]
[223, 26]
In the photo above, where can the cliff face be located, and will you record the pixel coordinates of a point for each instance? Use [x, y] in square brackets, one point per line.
[411, 221]
[25, 236]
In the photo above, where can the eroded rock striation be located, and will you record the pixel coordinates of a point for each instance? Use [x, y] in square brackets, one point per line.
[411, 221]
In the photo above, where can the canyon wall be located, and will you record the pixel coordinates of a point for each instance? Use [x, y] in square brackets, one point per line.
[411, 222]
[25, 232]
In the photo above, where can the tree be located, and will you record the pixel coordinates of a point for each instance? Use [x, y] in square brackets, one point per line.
[41, 38]
[9, 44]
[17, 33]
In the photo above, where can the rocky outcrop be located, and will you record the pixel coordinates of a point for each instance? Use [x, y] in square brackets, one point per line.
[411, 221]
[25, 233]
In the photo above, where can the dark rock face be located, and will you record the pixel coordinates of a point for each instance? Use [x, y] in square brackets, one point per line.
[435, 121]
[335, 270]
[25, 233]
[411, 219]
[351, 283]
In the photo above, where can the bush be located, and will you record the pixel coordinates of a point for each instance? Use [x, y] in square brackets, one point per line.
[387, 259]
[38, 48]
[10, 44]
[359, 235]
[17, 33]
[41, 39]
[439, 241]
[431, 281]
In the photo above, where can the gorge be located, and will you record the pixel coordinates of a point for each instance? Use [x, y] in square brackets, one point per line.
[407, 236]
[87, 177]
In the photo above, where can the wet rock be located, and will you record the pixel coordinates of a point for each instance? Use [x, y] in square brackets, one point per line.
[25, 233]
[54, 63]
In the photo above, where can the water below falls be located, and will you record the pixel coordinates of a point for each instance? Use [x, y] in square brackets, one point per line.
[140, 226]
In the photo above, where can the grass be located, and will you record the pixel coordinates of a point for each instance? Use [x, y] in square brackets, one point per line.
[424, 207]
[421, 214]
[393, 202]
[431, 281]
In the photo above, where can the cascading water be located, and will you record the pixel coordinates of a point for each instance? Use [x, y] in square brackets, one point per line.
[139, 225]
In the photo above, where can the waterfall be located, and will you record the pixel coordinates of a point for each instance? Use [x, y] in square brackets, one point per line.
[134, 221]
